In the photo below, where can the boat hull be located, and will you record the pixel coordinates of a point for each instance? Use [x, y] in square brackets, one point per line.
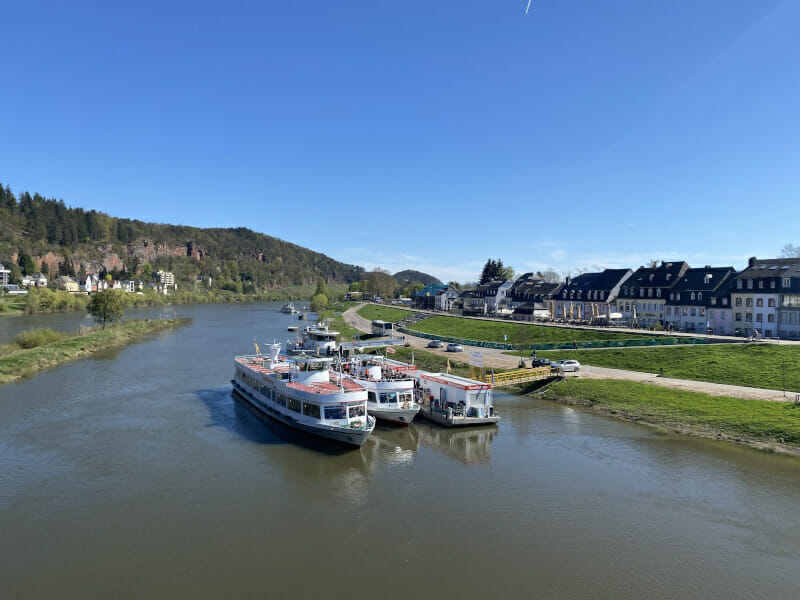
[349, 437]
[400, 416]
[451, 420]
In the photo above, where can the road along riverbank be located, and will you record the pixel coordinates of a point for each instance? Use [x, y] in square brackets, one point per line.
[26, 362]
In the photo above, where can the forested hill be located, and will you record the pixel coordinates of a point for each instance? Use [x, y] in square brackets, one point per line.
[72, 241]
[411, 276]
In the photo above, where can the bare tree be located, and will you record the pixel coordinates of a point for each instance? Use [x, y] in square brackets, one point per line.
[790, 251]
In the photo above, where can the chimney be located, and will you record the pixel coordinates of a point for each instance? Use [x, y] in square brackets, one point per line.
[751, 262]
[567, 280]
[708, 266]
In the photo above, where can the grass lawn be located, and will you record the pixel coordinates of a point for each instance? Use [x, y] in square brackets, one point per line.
[753, 365]
[23, 363]
[375, 312]
[686, 412]
[517, 333]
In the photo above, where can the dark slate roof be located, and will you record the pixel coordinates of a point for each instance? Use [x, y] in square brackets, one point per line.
[604, 281]
[535, 289]
[663, 276]
[694, 280]
[771, 267]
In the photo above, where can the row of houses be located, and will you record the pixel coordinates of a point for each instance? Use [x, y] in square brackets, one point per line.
[761, 300]
[165, 283]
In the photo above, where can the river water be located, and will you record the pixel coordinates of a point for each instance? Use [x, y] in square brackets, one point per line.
[136, 475]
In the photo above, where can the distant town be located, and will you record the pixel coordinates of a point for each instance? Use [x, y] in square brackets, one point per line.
[763, 300]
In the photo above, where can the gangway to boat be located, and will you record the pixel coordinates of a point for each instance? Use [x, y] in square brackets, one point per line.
[520, 376]
[372, 344]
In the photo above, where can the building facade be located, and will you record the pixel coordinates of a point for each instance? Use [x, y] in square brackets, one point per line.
[693, 297]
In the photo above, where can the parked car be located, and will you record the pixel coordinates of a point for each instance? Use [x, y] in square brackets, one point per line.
[570, 365]
[435, 344]
[540, 362]
[455, 348]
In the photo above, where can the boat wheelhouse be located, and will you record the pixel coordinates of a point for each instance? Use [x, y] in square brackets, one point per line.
[305, 394]
[454, 401]
[317, 340]
[389, 385]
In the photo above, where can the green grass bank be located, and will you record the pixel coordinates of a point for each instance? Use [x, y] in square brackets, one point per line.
[752, 365]
[375, 312]
[24, 362]
[514, 332]
[772, 426]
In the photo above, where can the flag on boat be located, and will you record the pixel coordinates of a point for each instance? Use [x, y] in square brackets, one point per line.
[492, 375]
[448, 365]
[258, 352]
[390, 350]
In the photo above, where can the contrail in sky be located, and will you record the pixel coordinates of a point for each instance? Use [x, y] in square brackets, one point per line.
[529, 6]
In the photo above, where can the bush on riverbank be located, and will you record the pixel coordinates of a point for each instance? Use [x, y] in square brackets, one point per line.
[747, 421]
[33, 338]
[752, 365]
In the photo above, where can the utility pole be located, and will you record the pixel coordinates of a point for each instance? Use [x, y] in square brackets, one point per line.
[783, 365]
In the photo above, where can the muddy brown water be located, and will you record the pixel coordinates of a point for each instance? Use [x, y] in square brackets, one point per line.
[136, 475]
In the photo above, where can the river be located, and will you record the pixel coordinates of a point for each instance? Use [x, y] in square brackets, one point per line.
[135, 474]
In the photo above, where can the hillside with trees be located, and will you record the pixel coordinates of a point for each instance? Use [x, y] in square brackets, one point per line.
[411, 276]
[44, 234]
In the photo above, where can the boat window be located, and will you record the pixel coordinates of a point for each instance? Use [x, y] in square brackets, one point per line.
[388, 397]
[357, 411]
[311, 410]
[406, 397]
[335, 412]
[294, 404]
[371, 397]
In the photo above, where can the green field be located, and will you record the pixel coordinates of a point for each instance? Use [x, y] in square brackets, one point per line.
[517, 333]
[17, 362]
[758, 421]
[375, 312]
[753, 365]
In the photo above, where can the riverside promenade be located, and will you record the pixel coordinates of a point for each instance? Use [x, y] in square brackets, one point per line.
[496, 358]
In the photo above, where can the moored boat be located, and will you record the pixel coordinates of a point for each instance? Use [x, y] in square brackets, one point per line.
[288, 308]
[317, 340]
[453, 401]
[304, 394]
[389, 385]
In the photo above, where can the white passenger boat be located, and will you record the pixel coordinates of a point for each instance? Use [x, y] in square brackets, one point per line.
[389, 385]
[303, 393]
[288, 308]
[454, 401]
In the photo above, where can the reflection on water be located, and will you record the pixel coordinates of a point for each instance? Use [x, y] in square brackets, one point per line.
[466, 445]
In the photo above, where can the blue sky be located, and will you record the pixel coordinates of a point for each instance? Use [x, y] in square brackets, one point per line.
[428, 135]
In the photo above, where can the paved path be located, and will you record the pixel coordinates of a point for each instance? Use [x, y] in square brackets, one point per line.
[495, 358]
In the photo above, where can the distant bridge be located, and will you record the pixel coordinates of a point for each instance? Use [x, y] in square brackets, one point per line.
[521, 376]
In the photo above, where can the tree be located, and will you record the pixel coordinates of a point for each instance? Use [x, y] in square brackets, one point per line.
[380, 283]
[322, 289]
[319, 302]
[15, 276]
[549, 275]
[506, 273]
[26, 264]
[790, 251]
[106, 306]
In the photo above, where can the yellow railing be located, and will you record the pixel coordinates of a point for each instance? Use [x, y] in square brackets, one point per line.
[520, 376]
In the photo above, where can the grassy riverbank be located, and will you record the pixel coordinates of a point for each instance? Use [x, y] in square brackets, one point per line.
[19, 362]
[773, 426]
[511, 332]
[753, 365]
[374, 312]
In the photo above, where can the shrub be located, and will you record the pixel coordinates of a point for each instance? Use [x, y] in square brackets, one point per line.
[33, 338]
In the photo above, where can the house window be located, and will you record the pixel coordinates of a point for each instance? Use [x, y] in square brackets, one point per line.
[738, 284]
[761, 284]
[641, 292]
[787, 282]
[749, 284]
[678, 296]
[759, 302]
[771, 318]
[672, 296]
[772, 284]
[693, 312]
[713, 301]
[724, 302]
[692, 295]
[711, 314]
[738, 302]
[650, 293]
[771, 302]
[759, 317]
[748, 302]
[699, 295]
[722, 316]
[738, 316]
[658, 292]
[702, 311]
[669, 311]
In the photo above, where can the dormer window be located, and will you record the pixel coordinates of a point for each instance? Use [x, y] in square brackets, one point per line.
[738, 284]
[699, 295]
[652, 276]
[602, 295]
[724, 302]
[692, 295]
[713, 301]
[672, 297]
[650, 293]
[761, 284]
[678, 296]
[707, 278]
[749, 284]
[658, 292]
[641, 292]
[669, 276]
